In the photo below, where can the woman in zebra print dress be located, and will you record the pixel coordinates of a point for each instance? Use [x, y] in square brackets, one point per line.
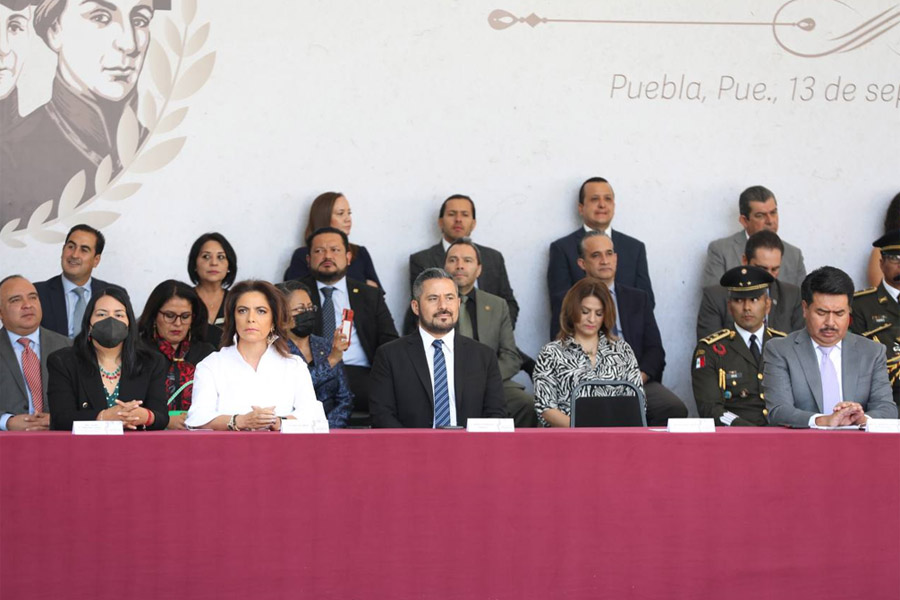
[584, 350]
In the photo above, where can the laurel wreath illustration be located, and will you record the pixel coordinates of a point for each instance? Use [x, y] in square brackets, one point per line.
[175, 76]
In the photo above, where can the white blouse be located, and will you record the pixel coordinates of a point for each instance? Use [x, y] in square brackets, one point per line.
[224, 384]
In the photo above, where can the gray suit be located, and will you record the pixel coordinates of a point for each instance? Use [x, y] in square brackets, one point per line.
[786, 314]
[793, 386]
[13, 391]
[726, 253]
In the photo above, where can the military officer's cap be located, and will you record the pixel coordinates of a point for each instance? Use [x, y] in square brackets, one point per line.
[746, 281]
[889, 243]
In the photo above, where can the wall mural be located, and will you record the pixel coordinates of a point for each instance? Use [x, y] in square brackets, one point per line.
[116, 105]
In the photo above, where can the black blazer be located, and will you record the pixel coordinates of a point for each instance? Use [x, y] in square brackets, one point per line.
[563, 270]
[640, 330]
[371, 318]
[77, 394]
[53, 302]
[400, 384]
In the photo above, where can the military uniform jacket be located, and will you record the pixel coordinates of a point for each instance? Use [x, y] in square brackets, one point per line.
[877, 316]
[726, 378]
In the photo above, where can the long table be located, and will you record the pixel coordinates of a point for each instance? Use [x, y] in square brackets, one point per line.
[616, 513]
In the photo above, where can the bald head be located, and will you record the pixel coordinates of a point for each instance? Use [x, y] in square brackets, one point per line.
[20, 307]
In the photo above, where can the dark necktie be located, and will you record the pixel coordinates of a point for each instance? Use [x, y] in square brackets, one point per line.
[78, 315]
[31, 366]
[754, 348]
[327, 314]
[472, 313]
[441, 391]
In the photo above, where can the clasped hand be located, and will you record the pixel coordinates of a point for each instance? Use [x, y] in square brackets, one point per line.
[131, 413]
[259, 419]
[845, 413]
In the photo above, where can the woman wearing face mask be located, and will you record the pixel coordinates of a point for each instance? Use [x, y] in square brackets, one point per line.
[107, 374]
[323, 358]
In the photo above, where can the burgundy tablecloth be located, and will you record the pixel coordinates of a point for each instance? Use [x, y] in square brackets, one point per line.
[750, 514]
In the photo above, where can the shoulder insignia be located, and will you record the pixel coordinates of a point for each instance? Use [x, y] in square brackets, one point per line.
[865, 292]
[872, 332]
[775, 332]
[717, 336]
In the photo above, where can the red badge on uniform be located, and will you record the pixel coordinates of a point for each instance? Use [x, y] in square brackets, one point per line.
[719, 349]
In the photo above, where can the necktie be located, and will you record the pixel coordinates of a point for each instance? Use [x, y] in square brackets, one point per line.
[441, 392]
[831, 393]
[471, 312]
[754, 349]
[79, 311]
[31, 366]
[327, 314]
[617, 327]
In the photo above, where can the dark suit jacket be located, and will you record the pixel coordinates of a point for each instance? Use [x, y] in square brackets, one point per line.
[401, 384]
[13, 394]
[786, 314]
[360, 268]
[563, 270]
[77, 394]
[640, 330]
[53, 302]
[372, 320]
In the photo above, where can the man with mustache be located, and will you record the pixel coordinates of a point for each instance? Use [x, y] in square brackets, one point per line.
[822, 376]
[433, 378]
[726, 373]
[876, 313]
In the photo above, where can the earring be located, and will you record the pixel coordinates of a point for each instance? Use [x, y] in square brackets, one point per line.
[271, 338]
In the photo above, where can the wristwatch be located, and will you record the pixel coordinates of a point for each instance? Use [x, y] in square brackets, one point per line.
[232, 423]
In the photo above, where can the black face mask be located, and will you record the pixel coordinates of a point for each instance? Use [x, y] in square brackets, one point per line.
[304, 323]
[109, 332]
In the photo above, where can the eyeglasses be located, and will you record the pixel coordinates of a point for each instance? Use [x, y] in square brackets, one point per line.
[299, 310]
[170, 317]
[893, 259]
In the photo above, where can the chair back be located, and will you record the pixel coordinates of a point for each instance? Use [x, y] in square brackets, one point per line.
[607, 411]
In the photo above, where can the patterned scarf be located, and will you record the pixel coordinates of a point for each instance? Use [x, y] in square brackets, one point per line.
[180, 372]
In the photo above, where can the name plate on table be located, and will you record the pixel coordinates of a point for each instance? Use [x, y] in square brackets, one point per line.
[883, 425]
[490, 425]
[98, 428]
[304, 426]
[691, 426]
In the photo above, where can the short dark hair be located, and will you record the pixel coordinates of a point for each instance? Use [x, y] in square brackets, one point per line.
[762, 239]
[322, 230]
[827, 280]
[456, 197]
[592, 234]
[8, 277]
[892, 218]
[427, 274]
[293, 285]
[229, 254]
[584, 185]
[133, 352]
[281, 316]
[165, 291]
[756, 193]
[100, 242]
[463, 241]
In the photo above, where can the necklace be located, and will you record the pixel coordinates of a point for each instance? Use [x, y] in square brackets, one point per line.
[112, 376]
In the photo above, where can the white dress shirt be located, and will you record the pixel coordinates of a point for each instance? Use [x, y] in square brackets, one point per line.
[71, 297]
[745, 335]
[892, 291]
[447, 348]
[225, 384]
[354, 355]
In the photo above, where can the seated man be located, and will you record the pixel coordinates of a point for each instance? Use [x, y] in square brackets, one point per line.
[759, 210]
[876, 313]
[24, 348]
[635, 323]
[823, 376]
[597, 206]
[727, 368]
[485, 318]
[432, 377]
[64, 297]
[764, 249]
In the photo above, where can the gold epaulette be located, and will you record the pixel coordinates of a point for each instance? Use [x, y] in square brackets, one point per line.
[865, 292]
[872, 332]
[719, 335]
[775, 332]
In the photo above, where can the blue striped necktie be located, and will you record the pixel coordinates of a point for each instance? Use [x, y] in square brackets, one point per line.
[441, 393]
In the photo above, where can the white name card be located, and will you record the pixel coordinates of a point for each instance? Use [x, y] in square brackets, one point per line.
[691, 426]
[490, 425]
[98, 428]
[883, 425]
[302, 425]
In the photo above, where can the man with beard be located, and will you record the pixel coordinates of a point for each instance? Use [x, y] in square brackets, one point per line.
[876, 314]
[433, 378]
[329, 255]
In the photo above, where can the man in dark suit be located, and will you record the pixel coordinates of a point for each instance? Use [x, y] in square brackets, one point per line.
[65, 296]
[636, 324]
[597, 206]
[24, 348]
[333, 292]
[433, 377]
[456, 220]
[764, 249]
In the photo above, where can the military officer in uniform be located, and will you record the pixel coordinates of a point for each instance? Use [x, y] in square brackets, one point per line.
[876, 313]
[727, 369]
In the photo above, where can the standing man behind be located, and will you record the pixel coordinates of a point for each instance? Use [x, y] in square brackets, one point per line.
[823, 376]
[64, 297]
[596, 206]
[635, 323]
[485, 318]
[332, 292]
[24, 348]
[759, 211]
[432, 377]
[727, 370]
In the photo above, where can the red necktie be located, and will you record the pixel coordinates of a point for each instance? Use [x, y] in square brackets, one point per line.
[31, 365]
